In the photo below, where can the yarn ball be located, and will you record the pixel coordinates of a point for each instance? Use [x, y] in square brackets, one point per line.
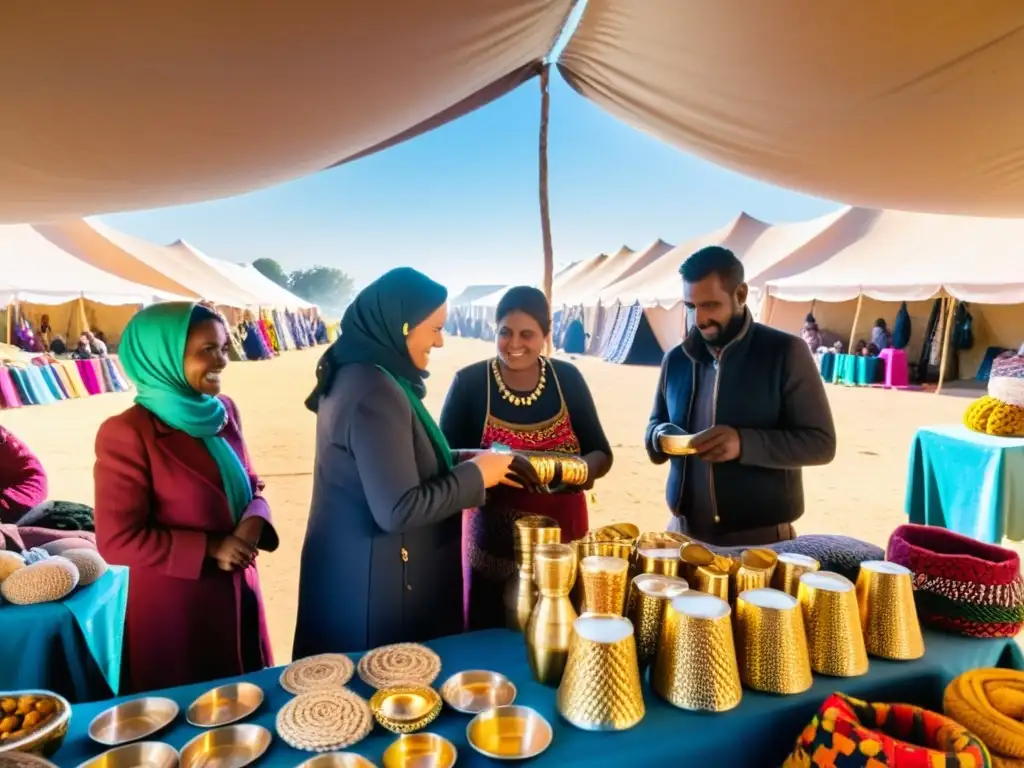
[9, 563]
[45, 581]
[89, 563]
[990, 416]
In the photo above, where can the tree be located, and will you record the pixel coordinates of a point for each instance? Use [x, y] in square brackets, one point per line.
[272, 269]
[328, 287]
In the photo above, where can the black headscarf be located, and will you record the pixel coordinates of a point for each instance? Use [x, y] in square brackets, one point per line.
[374, 327]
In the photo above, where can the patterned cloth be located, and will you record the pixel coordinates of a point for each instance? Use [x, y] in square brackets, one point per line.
[991, 703]
[849, 733]
[960, 584]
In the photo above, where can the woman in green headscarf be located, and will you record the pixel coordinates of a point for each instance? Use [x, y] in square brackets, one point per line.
[382, 560]
[178, 502]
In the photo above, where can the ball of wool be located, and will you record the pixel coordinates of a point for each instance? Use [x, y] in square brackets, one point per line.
[89, 563]
[60, 546]
[45, 581]
[9, 563]
[977, 413]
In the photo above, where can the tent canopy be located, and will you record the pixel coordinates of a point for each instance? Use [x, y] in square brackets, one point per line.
[913, 256]
[473, 292]
[602, 274]
[37, 271]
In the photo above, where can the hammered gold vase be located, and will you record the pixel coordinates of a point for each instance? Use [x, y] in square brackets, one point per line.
[663, 561]
[771, 643]
[590, 546]
[705, 572]
[789, 569]
[695, 666]
[835, 640]
[885, 598]
[604, 584]
[650, 593]
[754, 572]
[600, 690]
[550, 626]
[520, 590]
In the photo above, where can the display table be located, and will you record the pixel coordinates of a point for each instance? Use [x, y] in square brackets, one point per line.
[967, 482]
[758, 733]
[72, 647]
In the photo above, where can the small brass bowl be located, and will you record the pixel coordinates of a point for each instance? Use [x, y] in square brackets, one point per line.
[420, 750]
[43, 740]
[224, 705]
[338, 760]
[477, 690]
[235, 745]
[152, 754]
[677, 445]
[132, 720]
[406, 709]
[509, 733]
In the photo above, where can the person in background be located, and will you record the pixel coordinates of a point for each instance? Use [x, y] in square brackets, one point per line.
[524, 401]
[880, 335]
[45, 330]
[178, 502]
[753, 399]
[381, 562]
[23, 483]
[810, 334]
[83, 351]
[97, 345]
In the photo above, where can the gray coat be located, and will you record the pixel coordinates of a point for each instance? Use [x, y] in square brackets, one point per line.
[382, 559]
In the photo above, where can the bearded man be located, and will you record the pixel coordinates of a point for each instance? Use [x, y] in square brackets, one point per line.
[754, 402]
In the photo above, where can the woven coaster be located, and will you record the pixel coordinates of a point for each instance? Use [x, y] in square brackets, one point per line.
[328, 671]
[392, 666]
[324, 721]
[23, 760]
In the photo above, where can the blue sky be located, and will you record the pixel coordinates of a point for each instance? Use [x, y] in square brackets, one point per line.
[461, 203]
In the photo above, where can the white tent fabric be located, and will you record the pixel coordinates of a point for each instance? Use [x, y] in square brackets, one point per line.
[601, 275]
[561, 280]
[37, 271]
[913, 256]
[659, 284]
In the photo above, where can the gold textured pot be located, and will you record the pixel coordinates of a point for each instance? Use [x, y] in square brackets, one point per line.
[650, 593]
[604, 584]
[885, 598]
[832, 620]
[789, 569]
[520, 591]
[550, 626]
[771, 643]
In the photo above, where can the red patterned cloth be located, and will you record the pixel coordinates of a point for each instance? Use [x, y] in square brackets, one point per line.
[850, 733]
[960, 584]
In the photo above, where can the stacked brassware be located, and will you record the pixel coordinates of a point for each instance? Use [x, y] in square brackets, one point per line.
[521, 592]
[550, 626]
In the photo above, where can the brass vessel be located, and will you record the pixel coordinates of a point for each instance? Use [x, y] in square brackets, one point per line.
[604, 584]
[663, 561]
[598, 544]
[771, 643]
[616, 532]
[705, 571]
[520, 590]
[600, 690]
[885, 598]
[754, 571]
[550, 626]
[789, 569]
[695, 667]
[832, 620]
[649, 596]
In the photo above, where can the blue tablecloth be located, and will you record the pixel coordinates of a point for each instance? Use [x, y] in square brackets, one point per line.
[72, 647]
[967, 482]
[758, 733]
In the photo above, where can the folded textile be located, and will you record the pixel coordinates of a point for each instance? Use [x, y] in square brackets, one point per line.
[840, 554]
[961, 584]
[990, 702]
[850, 733]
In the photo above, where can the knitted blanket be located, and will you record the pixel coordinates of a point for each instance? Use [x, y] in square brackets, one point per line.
[990, 702]
[841, 554]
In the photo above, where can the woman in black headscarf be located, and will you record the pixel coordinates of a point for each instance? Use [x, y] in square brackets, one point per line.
[381, 562]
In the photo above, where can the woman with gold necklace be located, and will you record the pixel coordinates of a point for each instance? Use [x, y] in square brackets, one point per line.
[527, 403]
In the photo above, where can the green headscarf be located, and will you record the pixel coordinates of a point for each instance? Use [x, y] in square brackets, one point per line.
[152, 352]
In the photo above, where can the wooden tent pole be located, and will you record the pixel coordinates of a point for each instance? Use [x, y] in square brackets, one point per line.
[542, 167]
[856, 319]
[946, 336]
[10, 320]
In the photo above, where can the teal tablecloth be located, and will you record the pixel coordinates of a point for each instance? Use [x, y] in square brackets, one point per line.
[760, 732]
[967, 482]
[72, 647]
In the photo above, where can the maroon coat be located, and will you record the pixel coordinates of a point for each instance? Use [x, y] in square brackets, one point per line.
[22, 478]
[158, 495]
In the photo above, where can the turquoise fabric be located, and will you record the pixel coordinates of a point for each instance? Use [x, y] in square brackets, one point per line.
[41, 394]
[760, 732]
[967, 482]
[152, 352]
[71, 647]
[50, 379]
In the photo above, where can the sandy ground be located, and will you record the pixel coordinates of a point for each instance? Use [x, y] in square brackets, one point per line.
[860, 494]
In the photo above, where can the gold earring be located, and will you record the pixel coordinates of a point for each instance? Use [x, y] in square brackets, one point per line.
[405, 329]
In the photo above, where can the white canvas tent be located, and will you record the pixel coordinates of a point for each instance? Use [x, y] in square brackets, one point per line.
[914, 257]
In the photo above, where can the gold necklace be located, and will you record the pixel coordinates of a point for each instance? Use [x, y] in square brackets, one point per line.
[517, 400]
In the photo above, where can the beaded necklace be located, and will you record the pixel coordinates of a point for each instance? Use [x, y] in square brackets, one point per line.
[521, 401]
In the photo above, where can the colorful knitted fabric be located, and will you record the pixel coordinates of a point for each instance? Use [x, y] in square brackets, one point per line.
[960, 584]
[850, 733]
[990, 702]
[1001, 411]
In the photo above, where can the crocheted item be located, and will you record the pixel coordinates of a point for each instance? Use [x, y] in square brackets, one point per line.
[850, 733]
[960, 584]
[990, 702]
[839, 554]
[1001, 411]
